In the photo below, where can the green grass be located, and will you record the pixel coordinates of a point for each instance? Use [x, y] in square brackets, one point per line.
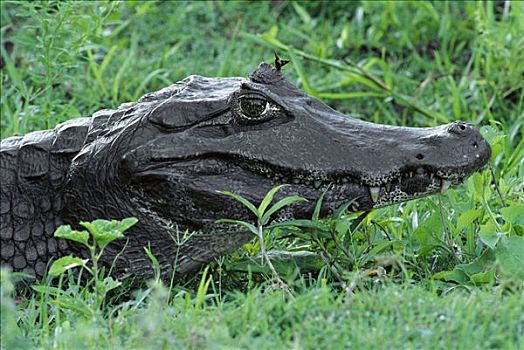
[441, 272]
[380, 317]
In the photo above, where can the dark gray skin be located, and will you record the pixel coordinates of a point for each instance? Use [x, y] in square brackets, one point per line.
[163, 159]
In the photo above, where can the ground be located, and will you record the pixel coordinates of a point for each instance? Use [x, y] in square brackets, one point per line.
[441, 272]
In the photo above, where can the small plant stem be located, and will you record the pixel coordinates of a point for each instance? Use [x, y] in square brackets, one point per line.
[332, 268]
[274, 272]
[497, 186]
[95, 258]
[488, 210]
[340, 246]
[449, 237]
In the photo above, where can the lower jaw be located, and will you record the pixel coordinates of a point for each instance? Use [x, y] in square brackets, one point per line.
[338, 191]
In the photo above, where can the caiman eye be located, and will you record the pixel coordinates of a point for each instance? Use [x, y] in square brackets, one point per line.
[253, 108]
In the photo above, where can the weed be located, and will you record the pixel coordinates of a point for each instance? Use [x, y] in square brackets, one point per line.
[263, 215]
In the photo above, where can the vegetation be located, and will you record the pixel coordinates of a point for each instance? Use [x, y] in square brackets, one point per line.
[441, 272]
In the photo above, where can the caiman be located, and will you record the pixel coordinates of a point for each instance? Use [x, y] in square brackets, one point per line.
[165, 158]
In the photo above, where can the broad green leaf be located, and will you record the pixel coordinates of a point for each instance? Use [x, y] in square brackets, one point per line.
[427, 233]
[489, 235]
[514, 214]
[247, 225]
[65, 231]
[342, 226]
[455, 275]
[491, 135]
[279, 205]
[479, 270]
[466, 218]
[480, 264]
[478, 183]
[65, 263]
[510, 256]
[484, 277]
[105, 231]
[91, 227]
[242, 200]
[267, 199]
[104, 238]
[124, 225]
[495, 150]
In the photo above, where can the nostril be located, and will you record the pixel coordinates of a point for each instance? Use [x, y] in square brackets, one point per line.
[459, 128]
[419, 156]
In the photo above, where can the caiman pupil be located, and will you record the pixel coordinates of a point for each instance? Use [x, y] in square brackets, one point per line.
[253, 107]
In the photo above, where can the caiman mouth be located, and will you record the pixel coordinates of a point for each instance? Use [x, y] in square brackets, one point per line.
[384, 189]
[396, 186]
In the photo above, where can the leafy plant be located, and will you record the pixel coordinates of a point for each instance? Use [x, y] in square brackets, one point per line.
[263, 215]
[98, 235]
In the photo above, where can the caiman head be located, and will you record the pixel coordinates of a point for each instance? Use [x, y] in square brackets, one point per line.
[165, 158]
[204, 135]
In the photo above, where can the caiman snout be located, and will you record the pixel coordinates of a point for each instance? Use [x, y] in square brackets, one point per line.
[426, 161]
[394, 164]
[474, 149]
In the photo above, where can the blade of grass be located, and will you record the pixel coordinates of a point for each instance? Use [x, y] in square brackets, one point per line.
[268, 198]
[96, 71]
[300, 72]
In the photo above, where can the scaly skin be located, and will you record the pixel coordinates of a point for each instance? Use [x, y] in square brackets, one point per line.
[34, 170]
[163, 159]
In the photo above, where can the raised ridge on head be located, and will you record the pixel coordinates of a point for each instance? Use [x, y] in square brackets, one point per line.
[266, 74]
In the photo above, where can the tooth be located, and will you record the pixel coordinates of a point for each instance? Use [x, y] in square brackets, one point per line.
[317, 183]
[431, 176]
[444, 185]
[374, 191]
[410, 174]
[388, 187]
